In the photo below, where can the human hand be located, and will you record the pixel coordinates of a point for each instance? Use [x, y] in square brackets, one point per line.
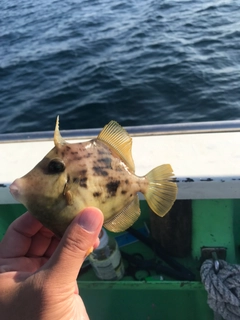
[38, 272]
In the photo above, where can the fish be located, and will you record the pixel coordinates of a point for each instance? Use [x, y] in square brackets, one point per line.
[98, 173]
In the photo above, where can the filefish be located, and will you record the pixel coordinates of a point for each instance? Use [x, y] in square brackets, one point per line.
[98, 173]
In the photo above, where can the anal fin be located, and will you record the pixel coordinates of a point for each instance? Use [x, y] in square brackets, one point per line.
[124, 219]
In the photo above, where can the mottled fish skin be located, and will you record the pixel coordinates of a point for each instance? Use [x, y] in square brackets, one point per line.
[93, 175]
[74, 176]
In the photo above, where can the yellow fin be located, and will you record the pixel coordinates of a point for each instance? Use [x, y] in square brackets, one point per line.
[58, 140]
[161, 192]
[90, 250]
[124, 219]
[118, 138]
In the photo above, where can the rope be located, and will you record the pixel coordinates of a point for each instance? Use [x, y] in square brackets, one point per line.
[223, 287]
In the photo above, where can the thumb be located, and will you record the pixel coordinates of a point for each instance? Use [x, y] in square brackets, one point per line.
[63, 267]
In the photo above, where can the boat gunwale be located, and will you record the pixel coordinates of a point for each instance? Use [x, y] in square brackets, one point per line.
[144, 130]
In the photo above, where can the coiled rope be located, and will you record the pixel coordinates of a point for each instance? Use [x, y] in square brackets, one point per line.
[223, 287]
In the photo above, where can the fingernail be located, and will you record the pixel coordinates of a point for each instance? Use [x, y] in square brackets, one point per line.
[89, 220]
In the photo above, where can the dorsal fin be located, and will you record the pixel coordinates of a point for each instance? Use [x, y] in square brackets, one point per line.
[58, 140]
[117, 137]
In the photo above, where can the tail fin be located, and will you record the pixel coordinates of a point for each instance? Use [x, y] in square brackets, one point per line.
[161, 192]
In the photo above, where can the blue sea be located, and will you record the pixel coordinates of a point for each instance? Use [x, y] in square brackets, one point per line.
[139, 62]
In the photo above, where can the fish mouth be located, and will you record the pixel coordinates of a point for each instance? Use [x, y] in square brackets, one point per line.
[15, 190]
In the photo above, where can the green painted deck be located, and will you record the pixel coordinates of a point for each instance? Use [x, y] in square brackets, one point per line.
[214, 223]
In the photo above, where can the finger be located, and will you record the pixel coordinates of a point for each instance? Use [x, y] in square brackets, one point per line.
[17, 239]
[21, 264]
[63, 267]
[52, 247]
[96, 243]
[40, 243]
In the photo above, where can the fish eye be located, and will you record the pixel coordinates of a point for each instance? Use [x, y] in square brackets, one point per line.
[56, 166]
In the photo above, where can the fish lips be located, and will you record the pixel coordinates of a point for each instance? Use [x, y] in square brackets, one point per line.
[15, 190]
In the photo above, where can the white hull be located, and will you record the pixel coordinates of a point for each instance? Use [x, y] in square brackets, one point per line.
[205, 157]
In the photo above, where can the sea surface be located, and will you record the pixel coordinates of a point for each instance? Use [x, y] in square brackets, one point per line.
[139, 62]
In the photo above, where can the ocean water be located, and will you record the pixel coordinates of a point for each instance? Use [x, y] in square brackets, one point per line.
[136, 61]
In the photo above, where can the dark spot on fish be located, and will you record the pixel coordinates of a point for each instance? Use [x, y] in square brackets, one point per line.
[107, 161]
[118, 168]
[101, 151]
[77, 158]
[208, 179]
[88, 155]
[131, 195]
[97, 194]
[95, 163]
[83, 172]
[63, 153]
[112, 187]
[188, 180]
[126, 181]
[83, 182]
[68, 148]
[123, 192]
[74, 152]
[100, 172]
[68, 178]
[75, 180]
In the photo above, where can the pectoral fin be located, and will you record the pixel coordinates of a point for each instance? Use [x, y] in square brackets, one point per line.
[124, 219]
[90, 250]
[68, 197]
